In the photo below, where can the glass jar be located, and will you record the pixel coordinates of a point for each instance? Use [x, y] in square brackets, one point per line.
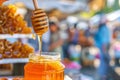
[44, 67]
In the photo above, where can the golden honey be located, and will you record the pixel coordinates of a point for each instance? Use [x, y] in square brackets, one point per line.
[44, 67]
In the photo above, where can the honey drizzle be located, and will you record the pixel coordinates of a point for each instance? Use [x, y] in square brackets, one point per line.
[40, 43]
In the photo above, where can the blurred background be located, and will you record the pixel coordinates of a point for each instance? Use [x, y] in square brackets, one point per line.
[85, 32]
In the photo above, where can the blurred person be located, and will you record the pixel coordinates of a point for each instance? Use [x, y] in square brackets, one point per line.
[56, 40]
[72, 51]
[102, 41]
[73, 35]
[115, 46]
[84, 38]
[86, 41]
[70, 33]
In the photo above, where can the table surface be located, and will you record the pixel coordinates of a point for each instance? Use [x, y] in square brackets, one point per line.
[66, 78]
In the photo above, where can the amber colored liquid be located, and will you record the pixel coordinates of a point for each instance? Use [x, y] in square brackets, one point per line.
[44, 71]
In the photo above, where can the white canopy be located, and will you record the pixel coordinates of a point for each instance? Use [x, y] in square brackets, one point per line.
[64, 6]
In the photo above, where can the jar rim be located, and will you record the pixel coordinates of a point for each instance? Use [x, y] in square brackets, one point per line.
[45, 56]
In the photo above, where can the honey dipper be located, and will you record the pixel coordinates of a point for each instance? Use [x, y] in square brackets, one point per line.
[39, 22]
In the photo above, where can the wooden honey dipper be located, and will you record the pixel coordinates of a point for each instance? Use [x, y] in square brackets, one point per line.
[39, 22]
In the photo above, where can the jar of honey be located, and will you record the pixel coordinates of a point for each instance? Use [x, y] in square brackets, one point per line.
[46, 66]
